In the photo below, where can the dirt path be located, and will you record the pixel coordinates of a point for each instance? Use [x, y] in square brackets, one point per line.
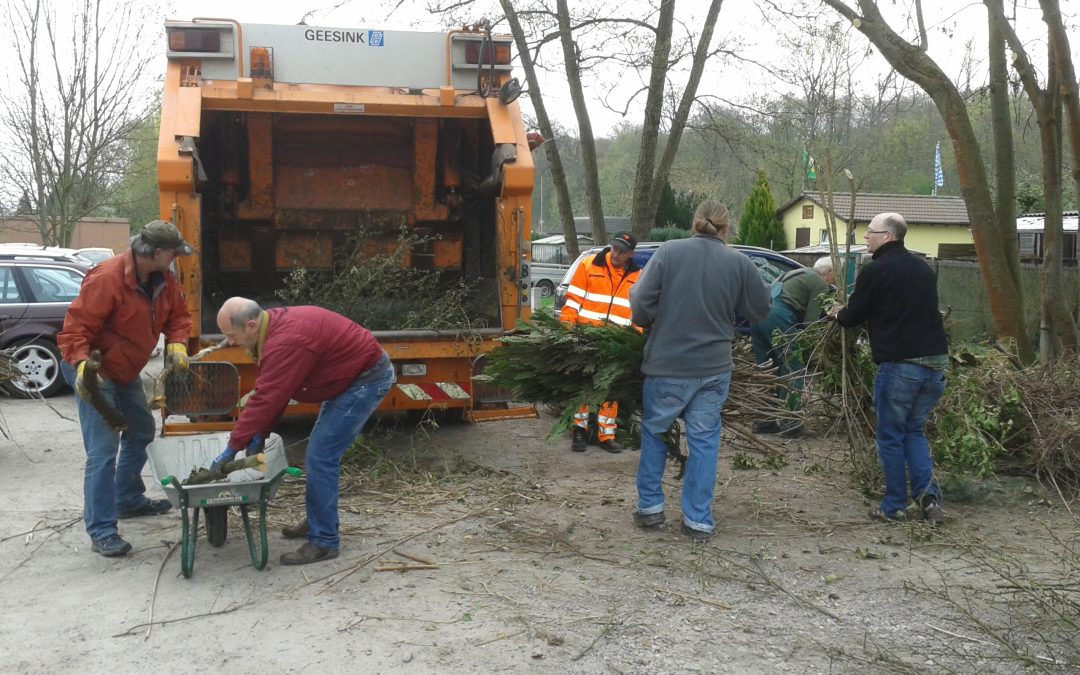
[538, 568]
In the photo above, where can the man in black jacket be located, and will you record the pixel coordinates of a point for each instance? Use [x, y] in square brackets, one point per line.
[896, 296]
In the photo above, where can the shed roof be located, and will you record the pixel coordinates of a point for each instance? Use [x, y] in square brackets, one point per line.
[1034, 222]
[916, 209]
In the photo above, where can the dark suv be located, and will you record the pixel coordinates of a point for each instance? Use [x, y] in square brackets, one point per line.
[35, 292]
[770, 265]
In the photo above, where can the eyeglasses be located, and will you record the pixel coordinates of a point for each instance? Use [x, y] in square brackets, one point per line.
[877, 231]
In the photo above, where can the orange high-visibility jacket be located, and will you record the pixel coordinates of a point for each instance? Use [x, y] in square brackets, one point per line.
[599, 293]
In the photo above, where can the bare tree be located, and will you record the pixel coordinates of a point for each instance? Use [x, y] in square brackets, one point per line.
[74, 92]
[650, 177]
[994, 234]
[572, 62]
[555, 164]
[1057, 331]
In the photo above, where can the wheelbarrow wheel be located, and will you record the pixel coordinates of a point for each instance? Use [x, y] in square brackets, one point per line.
[217, 524]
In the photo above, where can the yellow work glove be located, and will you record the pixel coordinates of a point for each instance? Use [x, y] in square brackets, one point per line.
[80, 386]
[176, 356]
[244, 399]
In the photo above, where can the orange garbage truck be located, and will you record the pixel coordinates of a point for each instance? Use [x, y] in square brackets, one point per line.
[279, 142]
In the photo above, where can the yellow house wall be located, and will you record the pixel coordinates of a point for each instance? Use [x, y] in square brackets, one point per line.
[923, 238]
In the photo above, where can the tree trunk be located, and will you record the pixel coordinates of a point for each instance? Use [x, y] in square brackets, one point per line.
[1001, 122]
[641, 220]
[678, 124]
[1061, 54]
[1062, 61]
[581, 111]
[555, 165]
[995, 242]
[1057, 331]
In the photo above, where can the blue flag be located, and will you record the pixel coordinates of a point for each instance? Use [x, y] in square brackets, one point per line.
[939, 177]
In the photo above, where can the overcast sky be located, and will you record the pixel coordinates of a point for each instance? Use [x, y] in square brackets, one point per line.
[951, 24]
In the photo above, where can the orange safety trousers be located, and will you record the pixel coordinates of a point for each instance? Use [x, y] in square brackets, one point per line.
[605, 418]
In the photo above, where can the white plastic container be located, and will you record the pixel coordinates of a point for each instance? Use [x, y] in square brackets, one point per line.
[177, 456]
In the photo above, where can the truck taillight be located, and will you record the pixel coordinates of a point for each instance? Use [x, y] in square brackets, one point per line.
[497, 52]
[194, 40]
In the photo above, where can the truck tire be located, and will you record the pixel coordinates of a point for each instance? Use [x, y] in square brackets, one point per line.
[547, 289]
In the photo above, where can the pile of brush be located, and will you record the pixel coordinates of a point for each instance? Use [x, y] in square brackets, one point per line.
[563, 367]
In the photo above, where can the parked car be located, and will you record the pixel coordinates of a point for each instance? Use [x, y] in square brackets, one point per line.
[96, 255]
[35, 292]
[15, 251]
[770, 264]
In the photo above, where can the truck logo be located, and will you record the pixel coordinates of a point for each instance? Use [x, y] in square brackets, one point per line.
[375, 38]
[315, 35]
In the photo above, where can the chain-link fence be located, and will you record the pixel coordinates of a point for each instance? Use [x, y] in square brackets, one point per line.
[962, 294]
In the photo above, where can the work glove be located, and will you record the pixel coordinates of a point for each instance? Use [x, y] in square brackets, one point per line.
[176, 356]
[80, 385]
[244, 399]
[229, 454]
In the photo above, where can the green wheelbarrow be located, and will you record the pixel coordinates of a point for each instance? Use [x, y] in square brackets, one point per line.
[172, 459]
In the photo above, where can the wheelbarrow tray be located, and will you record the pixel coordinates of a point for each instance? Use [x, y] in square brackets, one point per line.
[172, 459]
[176, 456]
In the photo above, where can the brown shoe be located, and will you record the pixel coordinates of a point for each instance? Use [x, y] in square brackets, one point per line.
[297, 531]
[308, 553]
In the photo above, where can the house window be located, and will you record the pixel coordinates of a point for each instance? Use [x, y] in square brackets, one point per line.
[824, 238]
[1027, 243]
[1068, 246]
[808, 212]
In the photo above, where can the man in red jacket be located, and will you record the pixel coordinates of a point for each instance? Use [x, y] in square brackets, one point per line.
[312, 355]
[124, 305]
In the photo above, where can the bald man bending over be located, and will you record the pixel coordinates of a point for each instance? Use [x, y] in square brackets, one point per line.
[312, 355]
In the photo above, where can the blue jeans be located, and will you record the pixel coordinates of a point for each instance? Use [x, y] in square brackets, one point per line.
[339, 423]
[113, 482]
[698, 401]
[904, 396]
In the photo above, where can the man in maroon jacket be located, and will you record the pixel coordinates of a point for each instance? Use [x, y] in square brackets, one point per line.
[312, 355]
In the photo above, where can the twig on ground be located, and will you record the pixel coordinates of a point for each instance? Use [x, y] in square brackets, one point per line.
[164, 622]
[693, 597]
[153, 594]
[500, 637]
[609, 626]
[340, 575]
[397, 566]
[55, 528]
[413, 557]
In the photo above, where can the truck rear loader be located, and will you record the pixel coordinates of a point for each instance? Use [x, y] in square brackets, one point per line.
[278, 143]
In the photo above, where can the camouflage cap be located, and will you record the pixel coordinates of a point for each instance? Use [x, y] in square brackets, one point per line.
[163, 234]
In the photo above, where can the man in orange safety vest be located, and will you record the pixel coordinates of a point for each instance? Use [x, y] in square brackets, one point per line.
[598, 294]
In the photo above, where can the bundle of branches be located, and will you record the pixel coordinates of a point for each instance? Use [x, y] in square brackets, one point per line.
[565, 367]
[997, 417]
[375, 286]
[8, 372]
[843, 386]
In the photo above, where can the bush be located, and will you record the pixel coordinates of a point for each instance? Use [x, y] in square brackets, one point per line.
[667, 233]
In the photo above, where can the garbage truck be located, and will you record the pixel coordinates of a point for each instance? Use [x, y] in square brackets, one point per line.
[279, 143]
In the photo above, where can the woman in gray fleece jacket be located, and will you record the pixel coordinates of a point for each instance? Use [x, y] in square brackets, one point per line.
[686, 299]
